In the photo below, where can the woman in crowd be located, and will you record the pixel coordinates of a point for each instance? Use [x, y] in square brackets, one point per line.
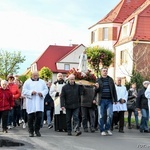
[6, 103]
[132, 95]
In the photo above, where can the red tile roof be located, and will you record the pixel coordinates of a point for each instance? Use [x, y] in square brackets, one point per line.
[51, 55]
[142, 32]
[121, 12]
[141, 18]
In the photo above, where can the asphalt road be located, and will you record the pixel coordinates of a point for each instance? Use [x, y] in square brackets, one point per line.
[132, 139]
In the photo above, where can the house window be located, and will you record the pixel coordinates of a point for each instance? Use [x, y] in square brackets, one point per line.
[123, 57]
[67, 67]
[125, 31]
[93, 36]
[105, 33]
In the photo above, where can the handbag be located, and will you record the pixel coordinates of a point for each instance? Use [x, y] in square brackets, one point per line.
[131, 104]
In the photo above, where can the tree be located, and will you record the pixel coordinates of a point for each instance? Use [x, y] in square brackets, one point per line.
[23, 78]
[99, 57]
[135, 78]
[9, 62]
[45, 73]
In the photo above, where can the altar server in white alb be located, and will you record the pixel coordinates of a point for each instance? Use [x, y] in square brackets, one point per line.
[120, 107]
[55, 92]
[35, 90]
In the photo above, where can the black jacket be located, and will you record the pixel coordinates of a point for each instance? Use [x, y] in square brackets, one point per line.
[112, 89]
[142, 101]
[87, 97]
[50, 102]
[70, 96]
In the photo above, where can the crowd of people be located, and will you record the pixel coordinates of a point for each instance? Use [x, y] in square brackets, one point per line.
[68, 106]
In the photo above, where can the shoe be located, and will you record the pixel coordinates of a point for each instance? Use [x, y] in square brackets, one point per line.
[45, 122]
[92, 130]
[121, 131]
[50, 126]
[137, 127]
[146, 131]
[24, 125]
[31, 134]
[69, 133]
[85, 130]
[38, 133]
[78, 133]
[20, 121]
[141, 130]
[103, 133]
[108, 132]
[10, 127]
[129, 127]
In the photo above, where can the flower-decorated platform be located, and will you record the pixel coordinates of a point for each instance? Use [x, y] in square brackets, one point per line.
[85, 82]
[84, 78]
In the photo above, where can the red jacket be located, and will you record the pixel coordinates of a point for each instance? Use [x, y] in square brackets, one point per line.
[6, 99]
[14, 90]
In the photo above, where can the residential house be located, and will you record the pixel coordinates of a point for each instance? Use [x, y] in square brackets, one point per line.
[59, 59]
[125, 30]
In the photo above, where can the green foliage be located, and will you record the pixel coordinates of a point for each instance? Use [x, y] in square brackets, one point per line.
[135, 78]
[9, 62]
[45, 73]
[99, 56]
[23, 78]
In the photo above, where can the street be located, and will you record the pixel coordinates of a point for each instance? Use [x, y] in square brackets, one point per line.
[51, 140]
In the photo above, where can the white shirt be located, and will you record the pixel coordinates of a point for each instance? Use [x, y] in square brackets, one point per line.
[122, 93]
[34, 103]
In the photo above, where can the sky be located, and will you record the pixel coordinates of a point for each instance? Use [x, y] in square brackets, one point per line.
[30, 26]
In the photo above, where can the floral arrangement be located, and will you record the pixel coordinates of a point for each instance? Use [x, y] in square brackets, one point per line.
[88, 76]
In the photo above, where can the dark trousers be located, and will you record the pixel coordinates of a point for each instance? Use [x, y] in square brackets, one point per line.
[24, 115]
[34, 121]
[136, 117]
[118, 116]
[16, 115]
[88, 111]
[75, 114]
[4, 117]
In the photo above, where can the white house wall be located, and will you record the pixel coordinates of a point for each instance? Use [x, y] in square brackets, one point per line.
[106, 44]
[33, 67]
[124, 70]
[72, 59]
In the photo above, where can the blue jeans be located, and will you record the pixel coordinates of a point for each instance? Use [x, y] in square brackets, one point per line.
[75, 114]
[105, 109]
[10, 117]
[48, 114]
[144, 119]
[136, 117]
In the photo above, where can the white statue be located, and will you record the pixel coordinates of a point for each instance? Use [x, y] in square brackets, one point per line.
[83, 62]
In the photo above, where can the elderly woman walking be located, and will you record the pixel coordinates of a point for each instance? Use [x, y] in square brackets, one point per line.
[6, 103]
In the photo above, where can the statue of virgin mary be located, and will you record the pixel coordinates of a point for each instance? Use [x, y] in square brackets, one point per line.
[83, 62]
